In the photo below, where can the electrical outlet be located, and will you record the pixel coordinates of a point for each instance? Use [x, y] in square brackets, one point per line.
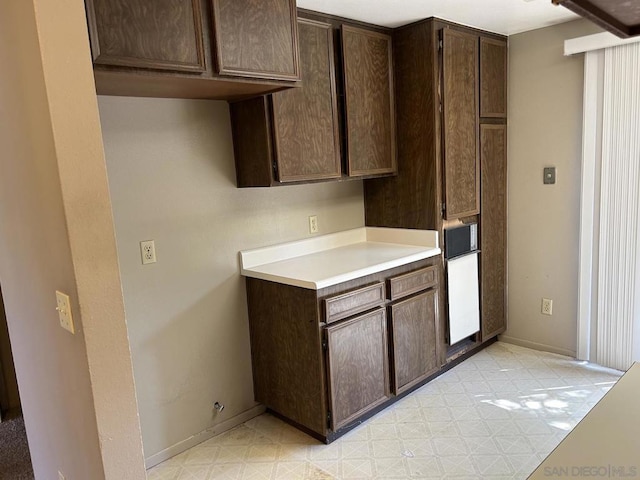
[148, 252]
[313, 224]
[547, 306]
[64, 311]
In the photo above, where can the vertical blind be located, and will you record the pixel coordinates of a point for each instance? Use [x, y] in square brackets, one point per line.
[619, 207]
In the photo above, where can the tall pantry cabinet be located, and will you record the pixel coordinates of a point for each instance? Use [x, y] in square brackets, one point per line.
[451, 106]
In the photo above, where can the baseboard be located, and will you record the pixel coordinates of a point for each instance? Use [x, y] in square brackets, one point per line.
[190, 442]
[537, 346]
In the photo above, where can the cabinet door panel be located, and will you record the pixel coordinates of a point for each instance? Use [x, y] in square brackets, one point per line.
[369, 102]
[414, 339]
[493, 78]
[460, 124]
[256, 38]
[306, 118]
[358, 375]
[163, 34]
[493, 239]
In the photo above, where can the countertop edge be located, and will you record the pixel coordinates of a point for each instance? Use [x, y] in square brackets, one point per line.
[284, 251]
[345, 277]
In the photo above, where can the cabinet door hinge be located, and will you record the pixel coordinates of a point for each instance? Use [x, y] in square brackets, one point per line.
[325, 346]
[443, 209]
[440, 44]
[275, 167]
[329, 419]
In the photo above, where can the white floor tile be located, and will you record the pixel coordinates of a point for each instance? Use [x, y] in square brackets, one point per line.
[494, 416]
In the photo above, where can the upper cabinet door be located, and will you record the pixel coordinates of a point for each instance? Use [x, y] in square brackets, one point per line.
[162, 34]
[493, 78]
[256, 38]
[369, 102]
[305, 119]
[460, 124]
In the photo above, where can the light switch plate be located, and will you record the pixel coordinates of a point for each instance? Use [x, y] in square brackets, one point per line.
[549, 175]
[64, 311]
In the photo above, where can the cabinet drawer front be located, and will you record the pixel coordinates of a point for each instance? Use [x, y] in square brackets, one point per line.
[351, 303]
[412, 282]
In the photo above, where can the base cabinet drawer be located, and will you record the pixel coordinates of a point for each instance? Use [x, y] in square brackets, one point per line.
[354, 302]
[357, 366]
[414, 335]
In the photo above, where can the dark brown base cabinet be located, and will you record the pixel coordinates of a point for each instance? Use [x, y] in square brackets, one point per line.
[357, 366]
[414, 350]
[324, 360]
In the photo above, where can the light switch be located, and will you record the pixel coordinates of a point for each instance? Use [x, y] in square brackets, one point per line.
[549, 175]
[64, 311]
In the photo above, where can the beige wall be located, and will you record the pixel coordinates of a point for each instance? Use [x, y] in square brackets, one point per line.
[545, 128]
[172, 179]
[56, 233]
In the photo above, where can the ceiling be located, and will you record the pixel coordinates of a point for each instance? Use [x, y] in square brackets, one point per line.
[506, 17]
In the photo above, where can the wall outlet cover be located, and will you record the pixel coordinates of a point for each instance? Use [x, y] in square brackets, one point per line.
[313, 224]
[547, 306]
[64, 311]
[148, 252]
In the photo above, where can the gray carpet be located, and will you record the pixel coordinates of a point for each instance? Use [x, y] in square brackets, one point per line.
[15, 460]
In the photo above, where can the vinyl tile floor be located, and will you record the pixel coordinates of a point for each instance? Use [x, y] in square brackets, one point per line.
[496, 415]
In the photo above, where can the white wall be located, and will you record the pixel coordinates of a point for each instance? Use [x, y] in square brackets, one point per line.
[544, 129]
[56, 233]
[172, 179]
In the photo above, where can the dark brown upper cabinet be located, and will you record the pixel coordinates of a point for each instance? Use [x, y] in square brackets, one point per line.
[218, 49]
[292, 136]
[493, 78]
[295, 135]
[460, 123]
[451, 157]
[256, 38]
[160, 35]
[369, 102]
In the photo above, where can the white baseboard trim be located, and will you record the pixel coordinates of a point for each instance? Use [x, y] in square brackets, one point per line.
[537, 346]
[190, 442]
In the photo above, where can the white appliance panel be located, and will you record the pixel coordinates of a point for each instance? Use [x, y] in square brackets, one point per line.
[464, 301]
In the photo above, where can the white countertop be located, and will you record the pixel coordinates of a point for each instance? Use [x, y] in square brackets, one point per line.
[606, 443]
[326, 260]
